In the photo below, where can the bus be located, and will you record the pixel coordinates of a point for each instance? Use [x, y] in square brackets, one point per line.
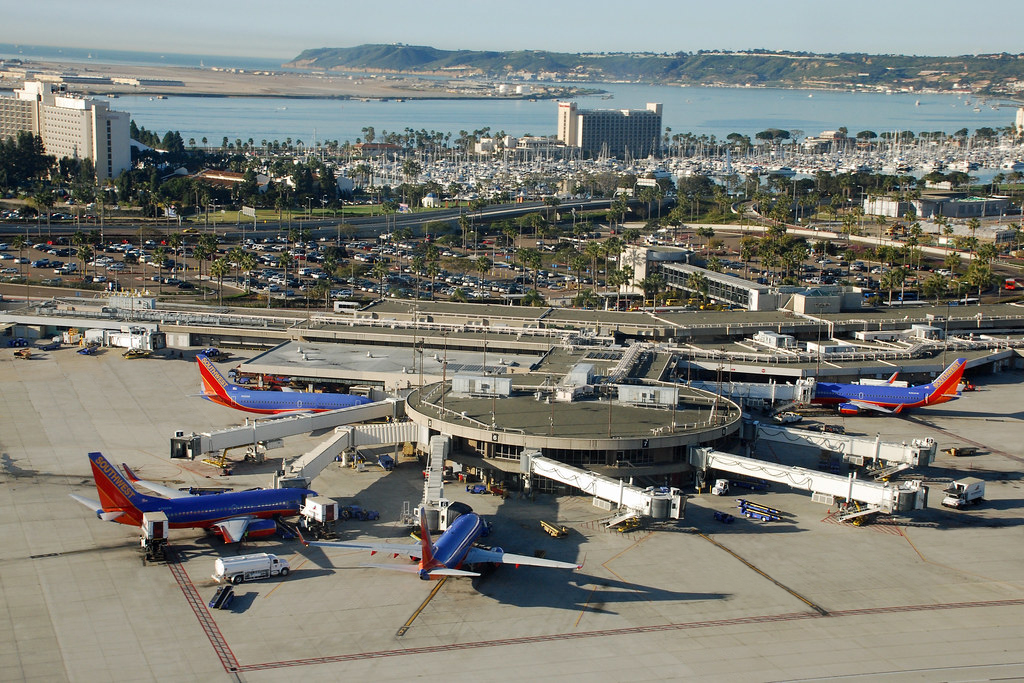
[1010, 283]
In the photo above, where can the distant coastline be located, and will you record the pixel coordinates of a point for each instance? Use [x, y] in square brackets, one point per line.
[100, 79]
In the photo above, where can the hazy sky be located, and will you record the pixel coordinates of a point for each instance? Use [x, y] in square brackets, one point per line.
[281, 29]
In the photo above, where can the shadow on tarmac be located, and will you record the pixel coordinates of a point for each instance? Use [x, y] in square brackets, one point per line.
[547, 588]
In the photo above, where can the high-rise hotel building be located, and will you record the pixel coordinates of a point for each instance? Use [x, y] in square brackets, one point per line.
[69, 126]
[611, 132]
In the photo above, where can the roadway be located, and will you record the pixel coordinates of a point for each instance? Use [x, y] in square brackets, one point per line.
[325, 227]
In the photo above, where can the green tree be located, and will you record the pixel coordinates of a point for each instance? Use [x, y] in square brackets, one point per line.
[699, 284]
[652, 286]
[219, 270]
[483, 266]
[380, 272]
[85, 255]
[980, 275]
[893, 279]
[935, 286]
[160, 255]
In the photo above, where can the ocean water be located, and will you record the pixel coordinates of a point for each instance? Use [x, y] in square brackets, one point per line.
[107, 56]
[701, 111]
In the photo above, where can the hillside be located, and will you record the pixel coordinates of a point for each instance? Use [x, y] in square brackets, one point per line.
[999, 73]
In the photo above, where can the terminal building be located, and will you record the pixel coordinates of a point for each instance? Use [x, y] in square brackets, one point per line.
[70, 126]
[611, 132]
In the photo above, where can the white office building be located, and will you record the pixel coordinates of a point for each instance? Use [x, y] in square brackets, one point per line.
[69, 126]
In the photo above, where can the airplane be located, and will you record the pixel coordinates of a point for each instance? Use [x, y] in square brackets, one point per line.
[218, 390]
[886, 398]
[445, 557]
[234, 515]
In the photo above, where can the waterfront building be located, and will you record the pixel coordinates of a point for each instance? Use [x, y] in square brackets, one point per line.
[950, 205]
[70, 126]
[611, 132]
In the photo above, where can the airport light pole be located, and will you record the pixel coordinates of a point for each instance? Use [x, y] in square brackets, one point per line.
[945, 336]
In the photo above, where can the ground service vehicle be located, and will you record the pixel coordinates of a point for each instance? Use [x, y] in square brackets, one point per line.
[960, 493]
[249, 567]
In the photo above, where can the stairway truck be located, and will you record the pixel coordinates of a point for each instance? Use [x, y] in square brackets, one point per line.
[964, 492]
[249, 567]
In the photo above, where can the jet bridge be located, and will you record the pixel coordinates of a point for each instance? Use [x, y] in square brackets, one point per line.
[825, 488]
[760, 394]
[658, 503]
[856, 450]
[309, 465]
[261, 430]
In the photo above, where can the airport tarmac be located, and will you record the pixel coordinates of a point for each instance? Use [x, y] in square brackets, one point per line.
[933, 595]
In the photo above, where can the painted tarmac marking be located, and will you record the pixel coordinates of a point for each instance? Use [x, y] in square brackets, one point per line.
[605, 565]
[298, 566]
[954, 435]
[405, 627]
[195, 601]
[817, 608]
[526, 640]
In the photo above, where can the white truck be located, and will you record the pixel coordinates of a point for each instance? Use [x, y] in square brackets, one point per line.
[963, 492]
[249, 567]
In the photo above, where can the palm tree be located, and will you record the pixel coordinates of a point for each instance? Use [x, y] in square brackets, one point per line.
[651, 285]
[285, 259]
[19, 242]
[973, 224]
[380, 271]
[980, 275]
[483, 266]
[247, 263]
[578, 262]
[322, 289]
[219, 269]
[699, 284]
[952, 261]
[160, 255]
[433, 270]
[892, 279]
[935, 286]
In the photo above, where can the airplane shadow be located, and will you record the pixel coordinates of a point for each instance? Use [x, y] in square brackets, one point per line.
[548, 588]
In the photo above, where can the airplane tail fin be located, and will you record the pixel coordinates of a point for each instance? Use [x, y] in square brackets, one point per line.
[893, 378]
[427, 561]
[214, 383]
[116, 493]
[946, 386]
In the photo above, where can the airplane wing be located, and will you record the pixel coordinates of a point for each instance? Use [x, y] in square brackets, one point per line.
[864, 405]
[97, 508]
[480, 555]
[233, 529]
[159, 489]
[410, 549]
[414, 569]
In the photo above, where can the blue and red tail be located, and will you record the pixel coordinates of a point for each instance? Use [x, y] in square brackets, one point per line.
[427, 560]
[116, 493]
[946, 386]
[214, 383]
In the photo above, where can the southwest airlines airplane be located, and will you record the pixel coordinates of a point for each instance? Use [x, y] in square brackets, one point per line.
[453, 549]
[855, 398]
[234, 515]
[217, 389]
